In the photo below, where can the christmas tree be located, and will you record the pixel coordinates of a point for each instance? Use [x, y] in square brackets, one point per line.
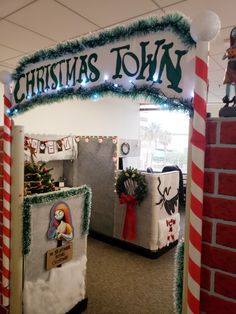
[38, 178]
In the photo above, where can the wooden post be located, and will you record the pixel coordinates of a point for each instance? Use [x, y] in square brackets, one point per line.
[16, 262]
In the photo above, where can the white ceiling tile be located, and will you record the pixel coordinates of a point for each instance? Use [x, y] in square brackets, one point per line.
[216, 93]
[192, 8]
[217, 88]
[13, 61]
[18, 38]
[165, 3]
[7, 7]
[3, 67]
[156, 14]
[109, 12]
[216, 76]
[53, 20]
[7, 64]
[218, 59]
[225, 10]
[214, 99]
[216, 84]
[220, 43]
[217, 48]
[213, 65]
[6, 53]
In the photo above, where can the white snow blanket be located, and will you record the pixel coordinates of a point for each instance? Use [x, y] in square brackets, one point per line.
[57, 295]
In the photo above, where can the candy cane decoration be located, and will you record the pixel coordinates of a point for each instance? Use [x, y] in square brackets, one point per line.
[6, 198]
[204, 28]
[197, 177]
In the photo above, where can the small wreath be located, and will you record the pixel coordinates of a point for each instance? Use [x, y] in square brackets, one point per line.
[125, 148]
[132, 182]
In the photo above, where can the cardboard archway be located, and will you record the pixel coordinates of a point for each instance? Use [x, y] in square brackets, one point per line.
[154, 58]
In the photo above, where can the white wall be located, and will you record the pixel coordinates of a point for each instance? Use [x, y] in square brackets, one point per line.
[107, 116]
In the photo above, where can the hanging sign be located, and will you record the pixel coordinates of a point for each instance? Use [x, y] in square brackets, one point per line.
[150, 54]
[59, 255]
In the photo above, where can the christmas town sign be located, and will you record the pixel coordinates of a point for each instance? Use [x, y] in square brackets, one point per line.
[83, 68]
[143, 58]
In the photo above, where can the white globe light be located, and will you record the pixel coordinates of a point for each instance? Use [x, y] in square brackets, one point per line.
[205, 26]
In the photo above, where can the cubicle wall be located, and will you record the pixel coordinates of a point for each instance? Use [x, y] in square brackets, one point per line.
[157, 219]
[95, 166]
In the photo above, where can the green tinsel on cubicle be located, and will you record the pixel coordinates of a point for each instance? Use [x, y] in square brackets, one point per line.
[173, 22]
[49, 197]
[179, 273]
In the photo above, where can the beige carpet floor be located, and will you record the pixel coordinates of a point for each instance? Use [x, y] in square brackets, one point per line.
[120, 281]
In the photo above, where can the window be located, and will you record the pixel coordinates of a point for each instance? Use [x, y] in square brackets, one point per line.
[163, 137]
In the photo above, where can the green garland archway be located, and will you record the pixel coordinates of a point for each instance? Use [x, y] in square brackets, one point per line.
[173, 23]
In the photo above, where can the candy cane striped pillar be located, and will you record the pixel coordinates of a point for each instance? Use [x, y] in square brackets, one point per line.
[197, 177]
[6, 198]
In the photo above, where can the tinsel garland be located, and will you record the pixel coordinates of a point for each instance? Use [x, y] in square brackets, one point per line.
[173, 22]
[49, 197]
[179, 273]
[149, 92]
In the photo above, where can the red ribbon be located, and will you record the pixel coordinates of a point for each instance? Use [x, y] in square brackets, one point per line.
[129, 225]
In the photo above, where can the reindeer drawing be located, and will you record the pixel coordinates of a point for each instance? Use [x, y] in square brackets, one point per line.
[170, 204]
[173, 73]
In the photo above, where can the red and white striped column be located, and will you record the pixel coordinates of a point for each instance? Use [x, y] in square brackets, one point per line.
[197, 177]
[204, 28]
[6, 199]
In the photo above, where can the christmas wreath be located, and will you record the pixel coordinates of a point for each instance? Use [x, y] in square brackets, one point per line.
[132, 182]
[131, 188]
[125, 148]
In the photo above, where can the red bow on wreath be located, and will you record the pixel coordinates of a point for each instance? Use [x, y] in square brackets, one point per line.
[129, 225]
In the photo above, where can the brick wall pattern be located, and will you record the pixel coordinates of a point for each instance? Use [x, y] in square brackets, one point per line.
[218, 272]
